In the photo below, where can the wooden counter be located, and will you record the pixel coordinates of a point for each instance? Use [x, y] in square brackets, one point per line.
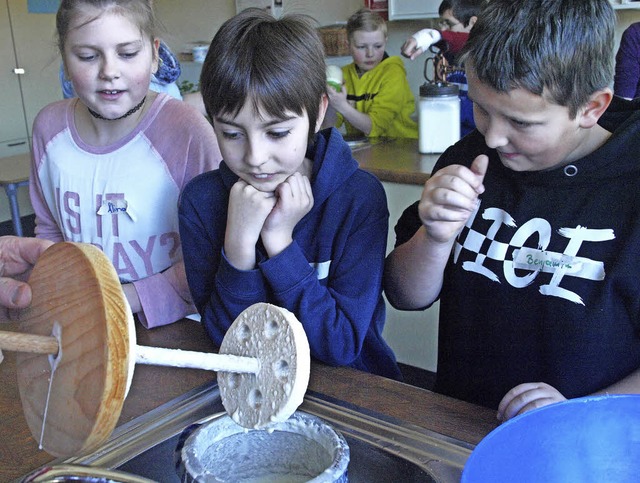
[153, 386]
[396, 161]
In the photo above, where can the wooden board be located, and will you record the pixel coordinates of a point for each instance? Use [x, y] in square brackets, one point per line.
[75, 286]
[275, 337]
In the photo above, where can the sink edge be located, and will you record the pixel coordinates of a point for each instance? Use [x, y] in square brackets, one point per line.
[435, 453]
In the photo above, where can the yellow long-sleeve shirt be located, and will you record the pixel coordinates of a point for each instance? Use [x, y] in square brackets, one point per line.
[382, 93]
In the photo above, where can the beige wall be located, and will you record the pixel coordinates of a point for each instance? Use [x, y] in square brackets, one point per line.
[194, 20]
[188, 21]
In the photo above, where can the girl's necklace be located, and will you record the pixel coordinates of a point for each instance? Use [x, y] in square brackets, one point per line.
[126, 114]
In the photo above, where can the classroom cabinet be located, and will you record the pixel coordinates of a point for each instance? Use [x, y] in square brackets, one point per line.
[13, 123]
[29, 73]
[29, 63]
[413, 9]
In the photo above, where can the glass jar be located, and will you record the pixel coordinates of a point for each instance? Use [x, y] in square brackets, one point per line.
[438, 117]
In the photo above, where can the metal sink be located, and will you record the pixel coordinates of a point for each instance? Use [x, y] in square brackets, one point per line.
[361, 142]
[382, 449]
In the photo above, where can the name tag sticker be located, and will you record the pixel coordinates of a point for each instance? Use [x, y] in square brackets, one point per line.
[116, 207]
[538, 260]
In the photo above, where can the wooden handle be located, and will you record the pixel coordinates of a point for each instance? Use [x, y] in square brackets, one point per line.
[34, 344]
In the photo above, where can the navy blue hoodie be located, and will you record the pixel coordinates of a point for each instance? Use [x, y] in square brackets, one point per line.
[330, 277]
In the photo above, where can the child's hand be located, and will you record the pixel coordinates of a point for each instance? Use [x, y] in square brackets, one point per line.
[409, 49]
[248, 210]
[526, 397]
[449, 197]
[337, 100]
[294, 200]
[420, 42]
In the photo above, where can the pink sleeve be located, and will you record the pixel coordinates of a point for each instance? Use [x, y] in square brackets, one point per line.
[46, 225]
[44, 128]
[164, 297]
[198, 142]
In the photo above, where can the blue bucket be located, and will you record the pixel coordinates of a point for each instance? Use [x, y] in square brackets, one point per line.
[580, 440]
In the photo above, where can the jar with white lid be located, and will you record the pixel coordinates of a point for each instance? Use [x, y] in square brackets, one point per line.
[438, 117]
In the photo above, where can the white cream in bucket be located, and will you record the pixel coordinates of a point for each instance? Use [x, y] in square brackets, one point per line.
[302, 448]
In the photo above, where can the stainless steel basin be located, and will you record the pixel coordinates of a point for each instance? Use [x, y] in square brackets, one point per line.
[358, 143]
[382, 449]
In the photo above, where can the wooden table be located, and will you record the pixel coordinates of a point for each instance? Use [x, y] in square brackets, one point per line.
[14, 173]
[396, 161]
[153, 386]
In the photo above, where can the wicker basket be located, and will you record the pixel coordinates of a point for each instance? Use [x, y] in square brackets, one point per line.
[334, 40]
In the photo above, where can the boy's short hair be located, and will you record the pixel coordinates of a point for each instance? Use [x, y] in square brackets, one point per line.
[563, 48]
[366, 20]
[462, 10]
[278, 64]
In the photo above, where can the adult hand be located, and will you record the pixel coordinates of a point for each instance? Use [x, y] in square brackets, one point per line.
[17, 258]
[294, 200]
[526, 397]
[449, 198]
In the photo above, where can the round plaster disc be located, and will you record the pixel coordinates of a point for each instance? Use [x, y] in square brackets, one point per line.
[277, 339]
[76, 294]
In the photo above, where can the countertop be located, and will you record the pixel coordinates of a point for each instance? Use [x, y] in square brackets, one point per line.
[153, 386]
[396, 161]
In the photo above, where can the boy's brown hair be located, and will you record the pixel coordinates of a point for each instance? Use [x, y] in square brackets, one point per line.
[562, 48]
[366, 20]
[277, 64]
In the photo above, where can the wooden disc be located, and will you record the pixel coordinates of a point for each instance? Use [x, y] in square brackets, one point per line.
[277, 339]
[76, 288]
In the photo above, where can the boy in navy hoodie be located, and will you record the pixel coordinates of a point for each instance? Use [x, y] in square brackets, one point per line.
[288, 218]
[528, 231]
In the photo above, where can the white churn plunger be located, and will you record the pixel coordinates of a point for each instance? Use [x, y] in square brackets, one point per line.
[77, 352]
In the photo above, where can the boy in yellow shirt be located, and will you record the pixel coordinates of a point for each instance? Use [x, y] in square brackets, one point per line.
[376, 100]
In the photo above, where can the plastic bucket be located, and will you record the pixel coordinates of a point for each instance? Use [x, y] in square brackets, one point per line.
[302, 448]
[580, 440]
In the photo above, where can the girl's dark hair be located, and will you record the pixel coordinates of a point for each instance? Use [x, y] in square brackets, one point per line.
[276, 63]
[138, 11]
[563, 48]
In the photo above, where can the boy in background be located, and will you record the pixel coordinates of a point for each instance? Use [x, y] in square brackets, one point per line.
[457, 17]
[528, 230]
[376, 99]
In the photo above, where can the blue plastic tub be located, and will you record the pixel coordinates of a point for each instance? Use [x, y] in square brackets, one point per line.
[581, 440]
